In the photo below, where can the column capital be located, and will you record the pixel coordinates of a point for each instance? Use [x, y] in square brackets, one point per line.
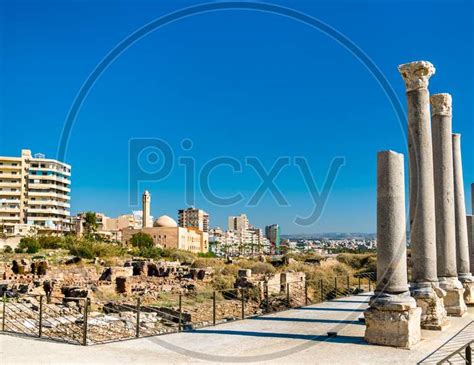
[416, 74]
[441, 104]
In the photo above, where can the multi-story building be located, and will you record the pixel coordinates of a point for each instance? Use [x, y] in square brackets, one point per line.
[193, 218]
[34, 191]
[273, 234]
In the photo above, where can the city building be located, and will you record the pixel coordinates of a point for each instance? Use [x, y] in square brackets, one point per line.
[241, 238]
[34, 192]
[193, 218]
[166, 233]
[273, 234]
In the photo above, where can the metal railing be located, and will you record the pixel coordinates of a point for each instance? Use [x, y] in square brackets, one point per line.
[78, 320]
[463, 353]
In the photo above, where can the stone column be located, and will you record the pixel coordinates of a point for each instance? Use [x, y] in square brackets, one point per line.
[392, 318]
[470, 230]
[441, 126]
[462, 245]
[424, 285]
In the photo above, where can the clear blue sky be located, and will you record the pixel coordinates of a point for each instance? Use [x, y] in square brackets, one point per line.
[237, 83]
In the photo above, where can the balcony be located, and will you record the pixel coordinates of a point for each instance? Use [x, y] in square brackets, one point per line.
[48, 194]
[51, 178]
[7, 175]
[10, 167]
[10, 184]
[40, 169]
[48, 202]
[10, 193]
[47, 211]
[9, 210]
[48, 186]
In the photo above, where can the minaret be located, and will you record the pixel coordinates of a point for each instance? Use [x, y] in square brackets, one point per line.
[146, 200]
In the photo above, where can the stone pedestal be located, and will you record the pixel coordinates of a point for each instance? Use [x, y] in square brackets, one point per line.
[433, 313]
[454, 299]
[395, 322]
[468, 293]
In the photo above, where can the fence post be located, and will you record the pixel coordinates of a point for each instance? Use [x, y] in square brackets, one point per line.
[370, 288]
[4, 311]
[468, 355]
[137, 331]
[359, 284]
[40, 319]
[321, 289]
[348, 285]
[305, 293]
[84, 325]
[214, 308]
[335, 287]
[180, 313]
[288, 300]
[267, 298]
[243, 303]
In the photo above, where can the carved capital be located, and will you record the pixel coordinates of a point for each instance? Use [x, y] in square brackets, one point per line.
[416, 74]
[441, 104]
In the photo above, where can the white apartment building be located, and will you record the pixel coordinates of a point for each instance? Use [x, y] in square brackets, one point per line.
[193, 218]
[34, 191]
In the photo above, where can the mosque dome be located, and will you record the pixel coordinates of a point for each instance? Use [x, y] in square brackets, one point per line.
[165, 221]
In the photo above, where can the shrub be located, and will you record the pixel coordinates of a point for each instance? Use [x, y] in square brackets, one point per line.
[223, 282]
[29, 244]
[179, 255]
[257, 267]
[206, 254]
[150, 252]
[50, 242]
[142, 240]
[7, 249]
[91, 249]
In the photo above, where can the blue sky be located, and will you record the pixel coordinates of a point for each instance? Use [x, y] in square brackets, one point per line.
[237, 83]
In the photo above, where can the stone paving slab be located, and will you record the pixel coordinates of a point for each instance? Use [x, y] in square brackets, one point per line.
[293, 336]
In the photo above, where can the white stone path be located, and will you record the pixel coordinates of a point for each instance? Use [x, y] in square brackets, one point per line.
[293, 336]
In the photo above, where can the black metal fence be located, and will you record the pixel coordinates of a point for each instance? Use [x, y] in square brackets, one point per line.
[80, 321]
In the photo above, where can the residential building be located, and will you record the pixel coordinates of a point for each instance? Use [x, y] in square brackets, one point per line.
[273, 234]
[34, 191]
[193, 218]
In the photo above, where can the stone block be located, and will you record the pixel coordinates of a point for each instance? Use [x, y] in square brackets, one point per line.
[244, 273]
[393, 328]
[123, 285]
[433, 313]
[468, 293]
[454, 302]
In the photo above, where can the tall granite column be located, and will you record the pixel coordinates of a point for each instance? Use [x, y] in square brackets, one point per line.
[470, 230]
[462, 245]
[441, 126]
[392, 318]
[424, 285]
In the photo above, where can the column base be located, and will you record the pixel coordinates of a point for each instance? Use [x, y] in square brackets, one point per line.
[468, 293]
[454, 299]
[430, 299]
[394, 322]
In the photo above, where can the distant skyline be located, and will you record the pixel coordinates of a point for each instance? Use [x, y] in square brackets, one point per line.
[236, 83]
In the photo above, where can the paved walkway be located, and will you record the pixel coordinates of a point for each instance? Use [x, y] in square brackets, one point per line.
[293, 336]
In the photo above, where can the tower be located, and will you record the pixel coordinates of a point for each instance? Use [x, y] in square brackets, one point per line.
[146, 200]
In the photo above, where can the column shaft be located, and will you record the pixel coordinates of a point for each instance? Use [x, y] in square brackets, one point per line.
[444, 185]
[462, 245]
[391, 224]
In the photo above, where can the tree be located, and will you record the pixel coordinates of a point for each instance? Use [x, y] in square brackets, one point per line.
[90, 223]
[142, 240]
